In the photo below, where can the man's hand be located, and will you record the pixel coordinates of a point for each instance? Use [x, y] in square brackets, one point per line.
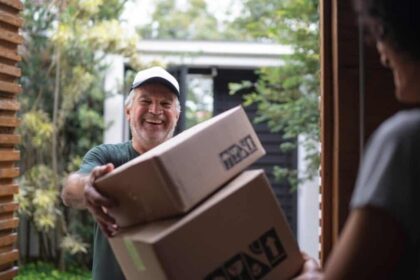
[310, 269]
[97, 204]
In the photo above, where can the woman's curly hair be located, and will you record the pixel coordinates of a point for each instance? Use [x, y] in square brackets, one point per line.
[394, 21]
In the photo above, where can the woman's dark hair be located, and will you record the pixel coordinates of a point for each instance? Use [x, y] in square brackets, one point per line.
[394, 21]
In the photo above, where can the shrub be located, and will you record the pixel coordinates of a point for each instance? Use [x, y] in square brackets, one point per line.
[47, 271]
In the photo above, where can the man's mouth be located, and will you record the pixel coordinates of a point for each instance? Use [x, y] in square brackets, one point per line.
[153, 121]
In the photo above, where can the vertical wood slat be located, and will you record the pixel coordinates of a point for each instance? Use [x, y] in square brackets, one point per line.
[10, 22]
[326, 128]
[340, 117]
[347, 108]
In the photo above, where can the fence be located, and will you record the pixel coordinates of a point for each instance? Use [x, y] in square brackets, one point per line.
[10, 22]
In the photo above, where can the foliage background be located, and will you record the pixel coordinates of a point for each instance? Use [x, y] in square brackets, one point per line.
[46, 271]
[287, 97]
[62, 115]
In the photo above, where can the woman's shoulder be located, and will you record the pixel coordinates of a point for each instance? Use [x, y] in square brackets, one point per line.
[403, 125]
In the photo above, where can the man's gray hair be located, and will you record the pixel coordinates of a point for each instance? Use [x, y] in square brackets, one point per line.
[129, 101]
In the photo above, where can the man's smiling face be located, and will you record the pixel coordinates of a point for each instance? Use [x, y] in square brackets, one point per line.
[152, 115]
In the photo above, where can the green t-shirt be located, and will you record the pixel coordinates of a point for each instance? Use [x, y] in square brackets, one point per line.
[105, 266]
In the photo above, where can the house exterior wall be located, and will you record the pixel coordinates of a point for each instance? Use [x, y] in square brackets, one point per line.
[271, 141]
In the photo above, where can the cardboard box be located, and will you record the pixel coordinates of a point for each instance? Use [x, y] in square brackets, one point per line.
[176, 175]
[238, 233]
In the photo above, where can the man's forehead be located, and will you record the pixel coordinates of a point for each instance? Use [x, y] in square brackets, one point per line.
[155, 92]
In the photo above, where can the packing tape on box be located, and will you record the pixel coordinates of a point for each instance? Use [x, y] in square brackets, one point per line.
[134, 255]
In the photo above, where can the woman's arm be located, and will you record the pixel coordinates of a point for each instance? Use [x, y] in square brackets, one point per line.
[369, 247]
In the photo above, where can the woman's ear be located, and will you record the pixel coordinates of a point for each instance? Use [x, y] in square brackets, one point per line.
[383, 51]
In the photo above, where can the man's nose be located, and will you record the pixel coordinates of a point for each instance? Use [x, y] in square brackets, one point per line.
[155, 108]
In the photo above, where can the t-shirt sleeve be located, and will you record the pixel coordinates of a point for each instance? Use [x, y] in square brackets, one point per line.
[94, 157]
[388, 177]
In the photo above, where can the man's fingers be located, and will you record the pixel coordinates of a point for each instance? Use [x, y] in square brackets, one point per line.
[100, 171]
[94, 198]
[97, 203]
[101, 216]
[109, 231]
[104, 229]
[91, 193]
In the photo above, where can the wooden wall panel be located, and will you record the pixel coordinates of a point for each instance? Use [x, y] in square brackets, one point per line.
[10, 22]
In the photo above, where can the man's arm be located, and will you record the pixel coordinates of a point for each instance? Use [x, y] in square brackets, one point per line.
[73, 190]
[79, 192]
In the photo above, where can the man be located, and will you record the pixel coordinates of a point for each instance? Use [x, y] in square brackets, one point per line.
[152, 108]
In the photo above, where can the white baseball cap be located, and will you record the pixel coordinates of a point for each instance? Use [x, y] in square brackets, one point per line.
[156, 74]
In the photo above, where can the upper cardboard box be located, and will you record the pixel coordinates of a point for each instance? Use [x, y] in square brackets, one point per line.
[240, 232]
[176, 175]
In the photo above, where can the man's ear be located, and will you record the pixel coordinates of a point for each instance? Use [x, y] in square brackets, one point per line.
[127, 111]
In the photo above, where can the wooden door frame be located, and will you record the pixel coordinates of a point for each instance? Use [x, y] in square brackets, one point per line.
[340, 107]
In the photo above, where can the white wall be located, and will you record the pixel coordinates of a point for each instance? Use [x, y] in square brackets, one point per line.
[114, 103]
[308, 209]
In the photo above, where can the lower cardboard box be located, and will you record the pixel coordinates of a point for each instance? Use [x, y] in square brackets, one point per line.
[240, 232]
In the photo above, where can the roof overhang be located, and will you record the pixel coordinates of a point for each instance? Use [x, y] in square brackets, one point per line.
[210, 54]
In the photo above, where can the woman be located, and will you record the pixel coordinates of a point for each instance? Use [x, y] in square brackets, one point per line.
[381, 237]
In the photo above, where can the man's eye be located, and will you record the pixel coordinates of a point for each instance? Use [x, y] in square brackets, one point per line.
[166, 104]
[145, 101]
